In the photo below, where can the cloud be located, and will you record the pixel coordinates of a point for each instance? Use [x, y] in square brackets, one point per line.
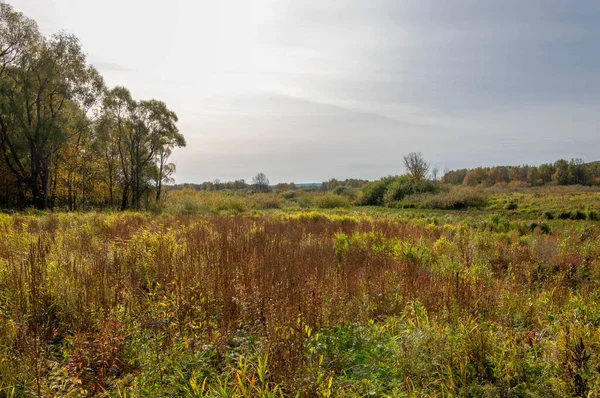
[306, 90]
[107, 67]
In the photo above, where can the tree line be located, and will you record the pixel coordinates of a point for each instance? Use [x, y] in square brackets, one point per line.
[65, 138]
[260, 183]
[561, 172]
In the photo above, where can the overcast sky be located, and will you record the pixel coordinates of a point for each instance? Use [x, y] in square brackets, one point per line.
[307, 90]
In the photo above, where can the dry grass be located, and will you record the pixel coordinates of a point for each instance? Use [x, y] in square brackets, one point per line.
[199, 280]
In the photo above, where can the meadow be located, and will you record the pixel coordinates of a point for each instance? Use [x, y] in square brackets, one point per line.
[305, 294]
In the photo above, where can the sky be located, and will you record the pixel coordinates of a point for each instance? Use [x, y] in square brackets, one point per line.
[306, 90]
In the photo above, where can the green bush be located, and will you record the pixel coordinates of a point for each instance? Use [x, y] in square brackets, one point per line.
[348, 192]
[289, 194]
[305, 201]
[564, 215]
[397, 190]
[373, 192]
[391, 190]
[231, 204]
[544, 228]
[331, 201]
[267, 201]
[510, 205]
[548, 215]
[455, 199]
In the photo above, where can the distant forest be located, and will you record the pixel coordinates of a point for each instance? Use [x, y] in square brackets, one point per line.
[561, 172]
[241, 184]
[65, 138]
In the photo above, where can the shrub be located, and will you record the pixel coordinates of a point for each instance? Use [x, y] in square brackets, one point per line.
[455, 199]
[549, 215]
[305, 201]
[267, 201]
[228, 204]
[564, 215]
[373, 192]
[390, 190]
[397, 190]
[340, 190]
[510, 205]
[331, 201]
[543, 227]
[348, 192]
[289, 194]
[403, 186]
[498, 224]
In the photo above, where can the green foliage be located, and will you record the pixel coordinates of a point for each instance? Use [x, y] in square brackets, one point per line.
[266, 201]
[372, 193]
[562, 172]
[548, 215]
[331, 201]
[390, 190]
[456, 198]
[88, 145]
[341, 302]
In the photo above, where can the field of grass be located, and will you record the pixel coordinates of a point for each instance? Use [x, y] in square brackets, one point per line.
[269, 295]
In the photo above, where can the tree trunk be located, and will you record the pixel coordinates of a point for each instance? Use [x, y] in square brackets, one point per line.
[125, 197]
[110, 191]
[70, 192]
[158, 189]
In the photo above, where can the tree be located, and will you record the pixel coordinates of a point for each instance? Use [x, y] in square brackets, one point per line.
[168, 138]
[416, 166]
[37, 110]
[239, 184]
[516, 173]
[545, 172]
[64, 138]
[533, 177]
[475, 177]
[330, 185]
[17, 33]
[260, 182]
[106, 149]
[434, 173]
[561, 175]
[495, 176]
[119, 107]
[576, 172]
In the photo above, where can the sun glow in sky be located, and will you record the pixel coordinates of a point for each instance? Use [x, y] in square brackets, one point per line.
[305, 90]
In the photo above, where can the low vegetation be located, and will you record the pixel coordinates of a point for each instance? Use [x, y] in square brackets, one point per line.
[233, 295]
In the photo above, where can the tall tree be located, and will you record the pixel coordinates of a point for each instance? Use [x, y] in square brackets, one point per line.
[159, 123]
[37, 89]
[88, 96]
[120, 107]
[105, 146]
[260, 182]
[561, 175]
[64, 138]
[146, 134]
[416, 166]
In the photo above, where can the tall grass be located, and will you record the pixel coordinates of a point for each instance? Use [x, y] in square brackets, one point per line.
[454, 198]
[308, 304]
